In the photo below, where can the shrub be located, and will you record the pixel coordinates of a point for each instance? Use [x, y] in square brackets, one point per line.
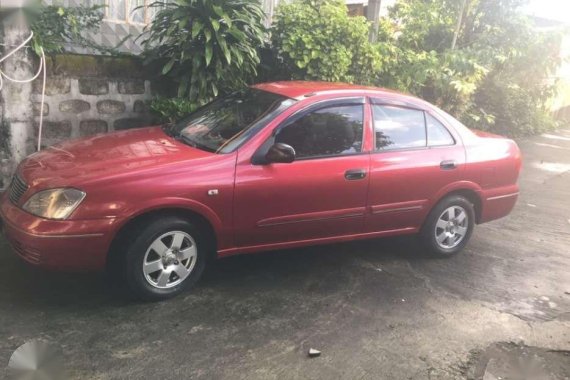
[496, 77]
[318, 40]
[206, 46]
[54, 26]
[514, 97]
[170, 110]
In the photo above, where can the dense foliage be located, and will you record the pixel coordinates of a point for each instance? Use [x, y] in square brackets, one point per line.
[170, 110]
[495, 77]
[317, 39]
[206, 46]
[54, 26]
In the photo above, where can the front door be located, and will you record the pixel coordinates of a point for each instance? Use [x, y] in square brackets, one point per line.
[321, 194]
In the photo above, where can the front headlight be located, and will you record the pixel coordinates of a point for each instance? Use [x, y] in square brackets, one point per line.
[54, 203]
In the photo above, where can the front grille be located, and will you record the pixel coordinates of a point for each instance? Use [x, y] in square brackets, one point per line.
[17, 189]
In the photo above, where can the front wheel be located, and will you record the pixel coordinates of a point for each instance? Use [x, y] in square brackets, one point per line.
[165, 257]
[449, 226]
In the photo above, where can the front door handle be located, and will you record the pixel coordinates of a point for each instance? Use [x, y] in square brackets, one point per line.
[355, 174]
[448, 165]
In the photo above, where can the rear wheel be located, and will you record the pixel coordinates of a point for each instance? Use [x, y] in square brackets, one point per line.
[449, 226]
[164, 257]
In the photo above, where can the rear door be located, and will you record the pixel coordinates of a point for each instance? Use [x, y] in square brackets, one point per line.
[415, 155]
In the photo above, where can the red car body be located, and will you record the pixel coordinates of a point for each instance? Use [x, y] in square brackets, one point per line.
[251, 207]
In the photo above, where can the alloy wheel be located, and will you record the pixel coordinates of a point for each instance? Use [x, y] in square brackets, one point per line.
[170, 259]
[451, 227]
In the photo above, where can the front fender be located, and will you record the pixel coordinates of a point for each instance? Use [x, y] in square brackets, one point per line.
[222, 232]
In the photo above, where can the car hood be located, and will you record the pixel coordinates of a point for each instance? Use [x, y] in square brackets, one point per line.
[76, 161]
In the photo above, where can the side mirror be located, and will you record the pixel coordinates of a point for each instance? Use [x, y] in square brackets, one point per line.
[281, 153]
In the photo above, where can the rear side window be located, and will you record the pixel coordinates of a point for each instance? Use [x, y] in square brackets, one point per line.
[330, 131]
[437, 134]
[398, 128]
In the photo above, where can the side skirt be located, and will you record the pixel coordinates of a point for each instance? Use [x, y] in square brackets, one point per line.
[309, 242]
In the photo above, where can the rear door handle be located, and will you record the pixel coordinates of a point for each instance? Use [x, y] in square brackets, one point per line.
[355, 174]
[448, 165]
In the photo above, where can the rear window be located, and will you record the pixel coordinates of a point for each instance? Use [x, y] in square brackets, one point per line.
[437, 134]
[398, 127]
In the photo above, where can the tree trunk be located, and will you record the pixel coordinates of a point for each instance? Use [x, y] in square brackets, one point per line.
[373, 15]
[458, 25]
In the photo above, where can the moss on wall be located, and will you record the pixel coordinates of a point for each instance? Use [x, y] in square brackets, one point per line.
[75, 65]
[4, 138]
[122, 67]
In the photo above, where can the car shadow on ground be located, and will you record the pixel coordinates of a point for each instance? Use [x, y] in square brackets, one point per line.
[24, 286]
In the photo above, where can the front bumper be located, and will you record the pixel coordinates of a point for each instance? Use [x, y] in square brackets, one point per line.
[70, 245]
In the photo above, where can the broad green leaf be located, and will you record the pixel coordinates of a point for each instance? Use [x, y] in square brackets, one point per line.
[166, 69]
[208, 55]
[219, 11]
[196, 28]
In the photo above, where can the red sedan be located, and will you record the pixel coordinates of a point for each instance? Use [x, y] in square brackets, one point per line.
[279, 165]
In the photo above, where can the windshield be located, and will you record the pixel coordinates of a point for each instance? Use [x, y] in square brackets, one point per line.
[224, 124]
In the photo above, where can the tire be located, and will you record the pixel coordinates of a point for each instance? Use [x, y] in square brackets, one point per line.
[448, 226]
[164, 257]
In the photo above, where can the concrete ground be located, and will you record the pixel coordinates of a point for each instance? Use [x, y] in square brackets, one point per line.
[376, 309]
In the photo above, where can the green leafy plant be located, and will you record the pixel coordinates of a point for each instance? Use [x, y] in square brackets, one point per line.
[54, 26]
[206, 46]
[317, 39]
[495, 78]
[170, 110]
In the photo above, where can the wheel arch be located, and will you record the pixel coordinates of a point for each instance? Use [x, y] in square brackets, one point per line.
[206, 225]
[469, 190]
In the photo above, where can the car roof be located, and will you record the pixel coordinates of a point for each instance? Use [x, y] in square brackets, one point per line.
[299, 89]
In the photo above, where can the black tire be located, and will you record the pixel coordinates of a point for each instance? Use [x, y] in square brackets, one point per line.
[138, 242]
[431, 229]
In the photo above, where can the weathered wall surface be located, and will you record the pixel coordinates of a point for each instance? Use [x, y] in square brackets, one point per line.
[84, 106]
[15, 105]
[86, 95]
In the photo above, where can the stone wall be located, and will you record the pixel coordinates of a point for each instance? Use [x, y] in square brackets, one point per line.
[89, 95]
[84, 106]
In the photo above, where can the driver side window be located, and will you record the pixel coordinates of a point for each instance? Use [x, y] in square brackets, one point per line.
[329, 131]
